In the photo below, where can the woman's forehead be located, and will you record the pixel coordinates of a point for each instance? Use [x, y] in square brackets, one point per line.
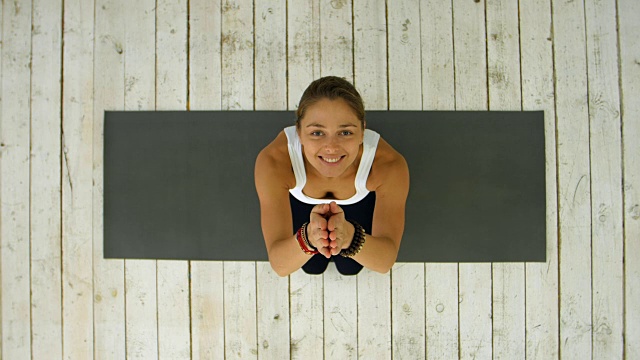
[327, 112]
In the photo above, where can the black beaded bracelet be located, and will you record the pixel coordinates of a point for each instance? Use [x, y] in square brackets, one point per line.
[357, 242]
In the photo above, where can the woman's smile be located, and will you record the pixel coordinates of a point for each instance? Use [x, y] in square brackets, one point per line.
[331, 160]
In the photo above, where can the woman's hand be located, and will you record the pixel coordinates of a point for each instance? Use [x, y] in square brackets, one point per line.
[317, 230]
[340, 230]
[328, 230]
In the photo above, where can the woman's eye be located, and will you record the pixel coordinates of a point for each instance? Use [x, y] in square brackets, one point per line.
[345, 133]
[316, 133]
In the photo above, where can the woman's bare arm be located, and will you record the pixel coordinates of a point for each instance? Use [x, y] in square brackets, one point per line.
[285, 255]
[380, 250]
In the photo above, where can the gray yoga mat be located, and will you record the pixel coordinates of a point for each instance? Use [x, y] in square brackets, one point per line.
[179, 185]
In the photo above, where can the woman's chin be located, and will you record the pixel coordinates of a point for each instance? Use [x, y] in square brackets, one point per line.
[330, 170]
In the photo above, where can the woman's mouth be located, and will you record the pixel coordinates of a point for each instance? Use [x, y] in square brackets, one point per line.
[331, 159]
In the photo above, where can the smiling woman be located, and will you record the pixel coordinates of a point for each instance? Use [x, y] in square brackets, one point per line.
[330, 189]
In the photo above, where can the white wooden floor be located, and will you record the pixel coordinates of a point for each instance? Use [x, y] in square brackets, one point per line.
[65, 61]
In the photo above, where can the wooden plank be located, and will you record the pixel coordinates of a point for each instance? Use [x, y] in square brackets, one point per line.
[14, 185]
[475, 282]
[340, 315]
[271, 55]
[141, 321]
[370, 52]
[470, 62]
[503, 64]
[307, 328]
[370, 78]
[503, 55]
[273, 313]
[538, 94]
[303, 47]
[171, 94]
[173, 310]
[408, 336]
[305, 291]
[240, 319]
[171, 55]
[405, 73]
[46, 287]
[207, 290]
[140, 74]
[475, 311]
[108, 94]
[606, 177]
[271, 94]
[374, 315]
[207, 310]
[336, 31]
[240, 310]
[441, 308]
[77, 181]
[629, 51]
[237, 55]
[204, 55]
[508, 311]
[436, 25]
[438, 93]
[574, 179]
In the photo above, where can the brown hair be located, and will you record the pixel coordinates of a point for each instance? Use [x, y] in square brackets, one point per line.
[331, 87]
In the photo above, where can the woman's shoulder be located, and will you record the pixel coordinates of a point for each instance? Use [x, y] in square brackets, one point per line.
[274, 163]
[277, 147]
[388, 165]
[386, 156]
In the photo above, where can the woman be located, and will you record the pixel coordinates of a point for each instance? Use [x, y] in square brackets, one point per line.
[339, 186]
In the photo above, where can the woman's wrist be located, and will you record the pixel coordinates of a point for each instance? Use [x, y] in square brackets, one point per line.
[357, 240]
[350, 234]
[305, 231]
[303, 241]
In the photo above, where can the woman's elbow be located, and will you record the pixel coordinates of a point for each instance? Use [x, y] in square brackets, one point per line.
[279, 268]
[280, 271]
[384, 268]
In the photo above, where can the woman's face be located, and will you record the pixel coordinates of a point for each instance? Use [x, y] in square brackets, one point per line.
[331, 135]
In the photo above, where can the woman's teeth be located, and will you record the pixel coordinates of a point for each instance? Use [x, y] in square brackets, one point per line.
[330, 160]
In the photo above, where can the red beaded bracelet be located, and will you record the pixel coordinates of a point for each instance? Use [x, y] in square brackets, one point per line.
[304, 243]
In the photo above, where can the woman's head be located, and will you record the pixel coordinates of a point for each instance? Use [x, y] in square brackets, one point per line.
[332, 88]
[331, 126]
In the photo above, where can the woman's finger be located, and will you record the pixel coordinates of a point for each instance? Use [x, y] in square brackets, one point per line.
[334, 208]
[325, 252]
[321, 209]
[318, 238]
[317, 221]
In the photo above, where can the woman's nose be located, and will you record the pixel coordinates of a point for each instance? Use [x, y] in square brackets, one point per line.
[331, 145]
